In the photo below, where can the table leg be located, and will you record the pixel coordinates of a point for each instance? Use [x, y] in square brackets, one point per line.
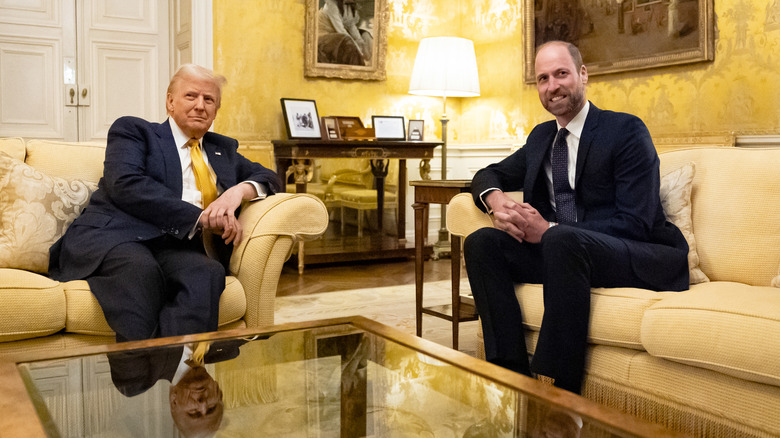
[418, 262]
[379, 169]
[401, 208]
[455, 272]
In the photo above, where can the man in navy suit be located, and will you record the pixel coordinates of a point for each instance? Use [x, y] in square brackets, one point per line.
[139, 243]
[592, 220]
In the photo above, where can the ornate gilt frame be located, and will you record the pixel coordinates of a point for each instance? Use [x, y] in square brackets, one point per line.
[703, 50]
[375, 71]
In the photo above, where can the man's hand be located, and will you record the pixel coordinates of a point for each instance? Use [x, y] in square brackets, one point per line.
[503, 219]
[220, 216]
[521, 221]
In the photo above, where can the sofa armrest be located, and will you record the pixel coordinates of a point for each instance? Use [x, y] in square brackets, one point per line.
[463, 217]
[271, 228]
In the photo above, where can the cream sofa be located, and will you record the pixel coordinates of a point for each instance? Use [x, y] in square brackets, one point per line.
[45, 184]
[704, 361]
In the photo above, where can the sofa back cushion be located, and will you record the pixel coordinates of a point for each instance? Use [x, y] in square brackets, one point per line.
[736, 219]
[13, 147]
[67, 160]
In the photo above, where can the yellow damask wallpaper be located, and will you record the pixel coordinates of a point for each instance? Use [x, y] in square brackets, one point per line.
[258, 45]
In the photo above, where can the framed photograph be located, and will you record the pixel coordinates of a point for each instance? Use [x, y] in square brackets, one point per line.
[389, 127]
[416, 132]
[330, 129]
[301, 118]
[346, 39]
[622, 36]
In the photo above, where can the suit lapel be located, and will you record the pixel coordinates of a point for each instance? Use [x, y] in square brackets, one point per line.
[536, 156]
[170, 155]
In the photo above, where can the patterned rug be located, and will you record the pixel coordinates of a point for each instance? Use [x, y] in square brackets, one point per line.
[392, 306]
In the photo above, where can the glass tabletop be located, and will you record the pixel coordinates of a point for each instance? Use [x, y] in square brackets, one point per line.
[349, 377]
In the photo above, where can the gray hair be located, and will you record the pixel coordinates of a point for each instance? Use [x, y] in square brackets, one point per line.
[194, 70]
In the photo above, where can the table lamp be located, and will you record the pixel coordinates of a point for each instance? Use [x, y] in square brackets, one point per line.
[445, 67]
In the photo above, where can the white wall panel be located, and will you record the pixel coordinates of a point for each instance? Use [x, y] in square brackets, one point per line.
[30, 86]
[124, 80]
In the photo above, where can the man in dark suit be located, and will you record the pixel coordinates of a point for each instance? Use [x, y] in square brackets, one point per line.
[591, 217]
[169, 194]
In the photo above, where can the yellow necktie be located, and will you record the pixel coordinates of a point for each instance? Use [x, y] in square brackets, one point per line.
[203, 179]
[198, 353]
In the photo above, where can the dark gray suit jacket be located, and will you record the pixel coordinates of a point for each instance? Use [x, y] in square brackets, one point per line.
[139, 195]
[617, 186]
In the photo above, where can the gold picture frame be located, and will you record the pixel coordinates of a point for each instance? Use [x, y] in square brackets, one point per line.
[617, 37]
[332, 51]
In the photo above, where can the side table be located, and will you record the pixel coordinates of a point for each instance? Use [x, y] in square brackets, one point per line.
[438, 192]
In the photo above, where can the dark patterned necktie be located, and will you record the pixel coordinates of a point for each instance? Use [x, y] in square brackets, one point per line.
[565, 209]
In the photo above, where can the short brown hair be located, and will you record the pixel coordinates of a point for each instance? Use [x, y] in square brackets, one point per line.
[576, 56]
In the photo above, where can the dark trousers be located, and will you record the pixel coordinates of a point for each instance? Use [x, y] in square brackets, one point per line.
[163, 287]
[568, 262]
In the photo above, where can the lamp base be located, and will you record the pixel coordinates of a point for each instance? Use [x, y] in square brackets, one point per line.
[442, 248]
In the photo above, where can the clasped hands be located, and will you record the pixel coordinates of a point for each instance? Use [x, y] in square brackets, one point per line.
[220, 216]
[520, 220]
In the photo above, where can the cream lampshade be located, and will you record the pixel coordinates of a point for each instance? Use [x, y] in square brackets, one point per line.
[445, 67]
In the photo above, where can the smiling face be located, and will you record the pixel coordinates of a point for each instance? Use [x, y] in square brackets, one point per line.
[193, 102]
[560, 83]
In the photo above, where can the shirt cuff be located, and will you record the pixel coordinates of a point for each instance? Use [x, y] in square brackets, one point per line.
[482, 198]
[262, 193]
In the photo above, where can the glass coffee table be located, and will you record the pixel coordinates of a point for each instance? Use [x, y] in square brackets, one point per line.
[346, 377]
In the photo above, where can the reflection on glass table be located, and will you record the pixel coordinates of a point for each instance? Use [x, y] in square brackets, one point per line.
[349, 377]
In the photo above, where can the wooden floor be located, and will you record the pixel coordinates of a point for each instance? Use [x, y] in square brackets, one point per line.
[356, 275]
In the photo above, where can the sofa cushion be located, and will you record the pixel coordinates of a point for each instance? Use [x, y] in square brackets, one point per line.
[615, 313]
[35, 210]
[31, 305]
[739, 244]
[676, 187]
[728, 327]
[85, 316]
[13, 146]
[56, 158]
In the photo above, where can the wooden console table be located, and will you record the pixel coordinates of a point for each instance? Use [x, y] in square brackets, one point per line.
[438, 192]
[378, 151]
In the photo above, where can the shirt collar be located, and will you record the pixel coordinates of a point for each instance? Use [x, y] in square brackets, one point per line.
[179, 137]
[577, 124]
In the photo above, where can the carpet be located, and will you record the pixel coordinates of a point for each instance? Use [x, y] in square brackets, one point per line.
[392, 305]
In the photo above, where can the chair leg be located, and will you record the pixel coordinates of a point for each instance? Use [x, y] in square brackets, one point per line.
[342, 220]
[360, 222]
[300, 257]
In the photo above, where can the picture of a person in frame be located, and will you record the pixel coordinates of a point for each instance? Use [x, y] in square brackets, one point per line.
[345, 32]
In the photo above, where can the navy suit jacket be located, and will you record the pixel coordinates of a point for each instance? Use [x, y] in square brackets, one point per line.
[617, 186]
[139, 196]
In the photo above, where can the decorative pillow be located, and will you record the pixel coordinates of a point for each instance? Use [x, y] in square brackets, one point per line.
[35, 211]
[676, 187]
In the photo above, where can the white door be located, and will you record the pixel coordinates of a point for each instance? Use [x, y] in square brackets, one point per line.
[69, 68]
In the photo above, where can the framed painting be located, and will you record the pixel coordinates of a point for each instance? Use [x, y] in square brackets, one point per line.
[622, 35]
[346, 39]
